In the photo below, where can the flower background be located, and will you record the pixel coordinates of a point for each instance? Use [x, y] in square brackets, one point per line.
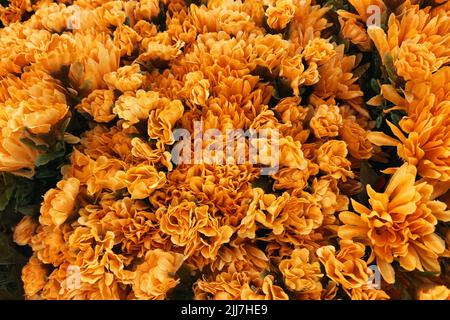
[91, 92]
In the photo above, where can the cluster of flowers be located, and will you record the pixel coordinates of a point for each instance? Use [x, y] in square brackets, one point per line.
[130, 220]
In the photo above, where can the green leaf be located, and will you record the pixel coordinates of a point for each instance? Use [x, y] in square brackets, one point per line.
[29, 210]
[390, 69]
[32, 144]
[337, 5]
[24, 192]
[395, 118]
[11, 263]
[46, 173]
[65, 124]
[375, 86]
[45, 158]
[128, 21]
[379, 121]
[8, 254]
[388, 60]
[5, 197]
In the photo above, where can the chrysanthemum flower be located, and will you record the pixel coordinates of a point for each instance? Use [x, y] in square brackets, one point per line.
[155, 276]
[197, 88]
[356, 138]
[126, 74]
[414, 42]
[346, 267]
[300, 274]
[34, 276]
[98, 104]
[162, 119]
[126, 39]
[433, 293]
[59, 204]
[368, 294]
[15, 156]
[400, 224]
[326, 121]
[427, 147]
[24, 230]
[125, 79]
[142, 180]
[354, 30]
[280, 15]
[318, 50]
[193, 228]
[134, 107]
[331, 157]
[100, 57]
[236, 286]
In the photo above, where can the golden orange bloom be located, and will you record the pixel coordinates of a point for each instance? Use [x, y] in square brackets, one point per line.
[362, 8]
[415, 61]
[110, 83]
[433, 292]
[39, 119]
[197, 88]
[157, 51]
[400, 224]
[145, 29]
[368, 294]
[291, 154]
[34, 277]
[182, 29]
[226, 285]
[142, 180]
[331, 157]
[413, 57]
[353, 25]
[59, 203]
[327, 193]
[431, 135]
[293, 69]
[303, 214]
[24, 230]
[49, 244]
[318, 50]
[126, 39]
[126, 78]
[156, 275]
[162, 119]
[293, 178]
[346, 266]
[98, 104]
[134, 107]
[147, 9]
[247, 285]
[280, 15]
[269, 291]
[354, 30]
[326, 121]
[357, 140]
[87, 71]
[192, 227]
[300, 274]
[15, 156]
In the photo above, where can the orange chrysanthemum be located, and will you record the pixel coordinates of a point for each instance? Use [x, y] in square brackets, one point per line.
[400, 224]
